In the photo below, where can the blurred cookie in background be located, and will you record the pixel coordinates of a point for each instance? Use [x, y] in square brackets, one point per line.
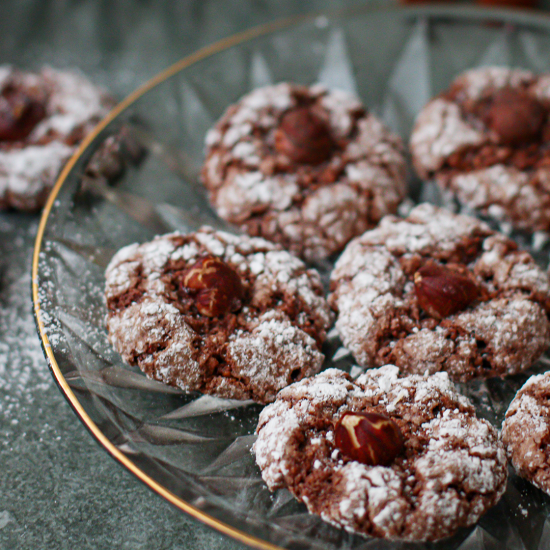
[485, 142]
[43, 118]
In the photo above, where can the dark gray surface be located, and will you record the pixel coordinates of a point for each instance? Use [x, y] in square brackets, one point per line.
[58, 488]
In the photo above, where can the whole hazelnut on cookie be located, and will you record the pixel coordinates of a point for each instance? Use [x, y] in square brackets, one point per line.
[515, 116]
[368, 437]
[439, 471]
[303, 136]
[216, 288]
[441, 292]
[222, 314]
[43, 117]
[20, 112]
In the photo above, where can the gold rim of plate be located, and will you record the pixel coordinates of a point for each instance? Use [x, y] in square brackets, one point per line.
[522, 16]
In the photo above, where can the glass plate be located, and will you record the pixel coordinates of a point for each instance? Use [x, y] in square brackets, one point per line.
[194, 450]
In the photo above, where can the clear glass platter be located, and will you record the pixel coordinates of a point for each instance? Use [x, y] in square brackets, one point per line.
[194, 450]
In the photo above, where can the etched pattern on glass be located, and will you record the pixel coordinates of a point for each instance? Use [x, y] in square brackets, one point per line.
[199, 446]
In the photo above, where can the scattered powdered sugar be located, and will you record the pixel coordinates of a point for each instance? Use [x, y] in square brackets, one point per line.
[71, 103]
[24, 373]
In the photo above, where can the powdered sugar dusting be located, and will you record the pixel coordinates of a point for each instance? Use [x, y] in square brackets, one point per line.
[440, 131]
[458, 470]
[250, 183]
[255, 191]
[269, 353]
[263, 351]
[505, 191]
[150, 325]
[372, 290]
[525, 431]
[73, 101]
[24, 374]
[24, 171]
[475, 83]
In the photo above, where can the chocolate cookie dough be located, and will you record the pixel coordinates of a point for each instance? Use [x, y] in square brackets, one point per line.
[43, 118]
[438, 291]
[450, 469]
[236, 317]
[486, 141]
[305, 167]
[526, 431]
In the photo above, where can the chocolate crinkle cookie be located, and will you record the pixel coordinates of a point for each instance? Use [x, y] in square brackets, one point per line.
[526, 431]
[384, 455]
[486, 141]
[439, 291]
[237, 317]
[43, 118]
[305, 167]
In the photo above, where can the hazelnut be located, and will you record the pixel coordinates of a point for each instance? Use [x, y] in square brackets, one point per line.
[441, 291]
[19, 114]
[215, 287]
[515, 116]
[368, 437]
[303, 136]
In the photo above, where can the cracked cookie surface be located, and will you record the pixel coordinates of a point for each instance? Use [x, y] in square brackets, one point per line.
[310, 190]
[271, 339]
[526, 431]
[453, 468]
[503, 331]
[485, 140]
